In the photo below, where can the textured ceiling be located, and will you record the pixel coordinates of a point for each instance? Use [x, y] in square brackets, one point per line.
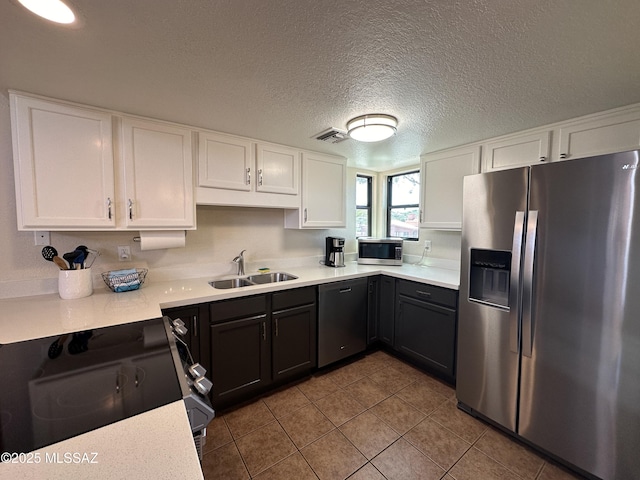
[284, 70]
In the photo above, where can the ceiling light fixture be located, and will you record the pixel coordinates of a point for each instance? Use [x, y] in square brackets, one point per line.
[53, 10]
[372, 127]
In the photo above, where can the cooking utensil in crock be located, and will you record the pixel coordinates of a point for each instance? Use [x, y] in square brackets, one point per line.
[51, 254]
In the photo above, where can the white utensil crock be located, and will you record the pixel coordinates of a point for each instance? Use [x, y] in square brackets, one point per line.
[75, 283]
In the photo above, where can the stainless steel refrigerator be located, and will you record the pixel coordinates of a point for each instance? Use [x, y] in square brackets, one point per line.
[549, 318]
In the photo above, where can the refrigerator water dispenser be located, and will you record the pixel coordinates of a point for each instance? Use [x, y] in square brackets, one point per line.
[489, 277]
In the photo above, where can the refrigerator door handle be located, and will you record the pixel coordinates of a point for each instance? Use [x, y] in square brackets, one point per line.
[514, 286]
[527, 284]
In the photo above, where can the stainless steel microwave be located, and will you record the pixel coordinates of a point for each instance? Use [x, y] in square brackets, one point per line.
[380, 251]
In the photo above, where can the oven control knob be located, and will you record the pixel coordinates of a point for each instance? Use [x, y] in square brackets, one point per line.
[196, 371]
[179, 327]
[202, 385]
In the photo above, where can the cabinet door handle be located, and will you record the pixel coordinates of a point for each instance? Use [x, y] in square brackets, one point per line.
[543, 159]
[194, 325]
[130, 209]
[420, 215]
[563, 156]
[345, 290]
[276, 327]
[421, 292]
[264, 331]
[109, 207]
[305, 215]
[248, 179]
[260, 177]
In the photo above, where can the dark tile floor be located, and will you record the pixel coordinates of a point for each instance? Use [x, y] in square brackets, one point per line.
[374, 418]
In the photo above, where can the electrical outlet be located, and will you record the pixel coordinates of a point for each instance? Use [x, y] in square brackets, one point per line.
[42, 238]
[124, 253]
[427, 246]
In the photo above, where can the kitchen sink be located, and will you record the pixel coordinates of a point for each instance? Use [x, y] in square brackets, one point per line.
[259, 279]
[231, 283]
[271, 277]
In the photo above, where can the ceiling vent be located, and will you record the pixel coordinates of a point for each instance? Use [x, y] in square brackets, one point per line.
[332, 135]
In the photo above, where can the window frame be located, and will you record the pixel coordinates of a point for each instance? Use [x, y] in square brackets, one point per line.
[369, 206]
[391, 207]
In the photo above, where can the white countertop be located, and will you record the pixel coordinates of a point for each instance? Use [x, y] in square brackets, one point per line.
[156, 444]
[25, 318]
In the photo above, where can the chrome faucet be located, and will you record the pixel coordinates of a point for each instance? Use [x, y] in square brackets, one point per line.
[240, 261]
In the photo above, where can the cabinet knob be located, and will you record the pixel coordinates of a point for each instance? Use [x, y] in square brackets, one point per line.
[563, 156]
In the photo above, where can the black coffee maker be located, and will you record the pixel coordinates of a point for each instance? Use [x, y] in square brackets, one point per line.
[334, 254]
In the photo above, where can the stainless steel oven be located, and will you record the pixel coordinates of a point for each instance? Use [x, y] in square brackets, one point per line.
[380, 251]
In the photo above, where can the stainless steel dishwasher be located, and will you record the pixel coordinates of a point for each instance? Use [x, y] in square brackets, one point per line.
[342, 320]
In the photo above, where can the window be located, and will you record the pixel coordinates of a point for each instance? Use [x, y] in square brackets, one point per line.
[403, 200]
[363, 205]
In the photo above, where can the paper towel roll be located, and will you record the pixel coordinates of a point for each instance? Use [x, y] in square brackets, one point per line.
[156, 240]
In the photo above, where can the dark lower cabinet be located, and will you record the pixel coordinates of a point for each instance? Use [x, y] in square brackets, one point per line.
[386, 310]
[260, 340]
[195, 319]
[240, 348]
[425, 326]
[293, 330]
[239, 358]
[373, 311]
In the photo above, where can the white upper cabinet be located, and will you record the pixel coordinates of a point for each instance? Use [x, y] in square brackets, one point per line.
[69, 176]
[441, 184]
[237, 171]
[600, 134]
[278, 169]
[63, 165]
[323, 205]
[516, 151]
[224, 161]
[158, 175]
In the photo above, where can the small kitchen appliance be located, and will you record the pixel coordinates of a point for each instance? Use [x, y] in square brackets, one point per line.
[334, 255]
[380, 251]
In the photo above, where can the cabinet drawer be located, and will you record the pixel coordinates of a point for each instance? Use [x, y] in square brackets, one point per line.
[293, 298]
[428, 293]
[237, 308]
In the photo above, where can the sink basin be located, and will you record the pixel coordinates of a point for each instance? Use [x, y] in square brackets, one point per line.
[231, 283]
[258, 279]
[271, 277]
